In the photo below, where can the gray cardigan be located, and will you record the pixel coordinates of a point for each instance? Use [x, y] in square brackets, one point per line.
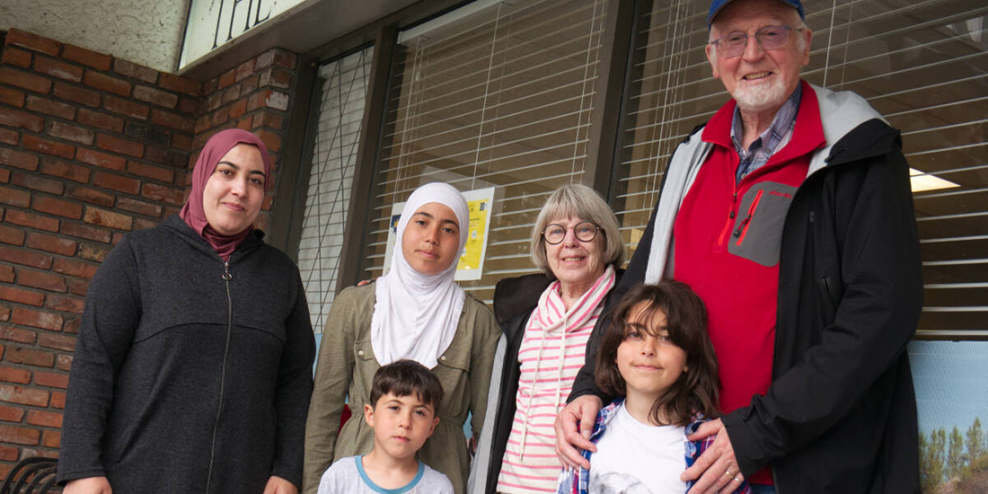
[185, 379]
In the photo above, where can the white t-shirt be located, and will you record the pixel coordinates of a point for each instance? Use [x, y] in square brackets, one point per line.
[637, 458]
[347, 476]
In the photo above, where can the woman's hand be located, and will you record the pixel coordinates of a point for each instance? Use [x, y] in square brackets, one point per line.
[89, 485]
[583, 410]
[716, 469]
[278, 485]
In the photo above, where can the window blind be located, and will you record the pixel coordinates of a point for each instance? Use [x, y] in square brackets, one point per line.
[922, 63]
[495, 94]
[344, 89]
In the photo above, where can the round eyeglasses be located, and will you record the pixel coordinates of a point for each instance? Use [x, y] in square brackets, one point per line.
[768, 37]
[585, 231]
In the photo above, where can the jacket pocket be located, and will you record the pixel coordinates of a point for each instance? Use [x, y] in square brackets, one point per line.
[757, 232]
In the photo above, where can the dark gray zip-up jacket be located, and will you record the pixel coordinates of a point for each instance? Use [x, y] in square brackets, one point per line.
[840, 414]
[189, 376]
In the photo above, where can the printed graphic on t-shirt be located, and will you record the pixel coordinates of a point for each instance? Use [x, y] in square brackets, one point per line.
[757, 234]
[616, 483]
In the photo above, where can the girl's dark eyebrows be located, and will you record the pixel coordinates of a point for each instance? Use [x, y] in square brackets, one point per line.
[423, 213]
[237, 167]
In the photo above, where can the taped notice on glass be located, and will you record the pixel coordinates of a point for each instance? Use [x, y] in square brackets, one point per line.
[471, 263]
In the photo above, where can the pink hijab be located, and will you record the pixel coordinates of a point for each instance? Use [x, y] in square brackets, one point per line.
[192, 212]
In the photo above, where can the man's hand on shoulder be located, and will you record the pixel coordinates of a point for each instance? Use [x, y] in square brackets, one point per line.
[716, 470]
[582, 410]
[90, 485]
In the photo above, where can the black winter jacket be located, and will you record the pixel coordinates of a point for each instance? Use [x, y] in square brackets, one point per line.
[840, 414]
[187, 376]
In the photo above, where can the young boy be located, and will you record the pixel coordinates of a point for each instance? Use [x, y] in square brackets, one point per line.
[405, 395]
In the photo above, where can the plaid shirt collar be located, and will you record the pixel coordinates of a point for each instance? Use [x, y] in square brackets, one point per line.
[759, 152]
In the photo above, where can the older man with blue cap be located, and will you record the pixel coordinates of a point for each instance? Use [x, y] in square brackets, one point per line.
[790, 214]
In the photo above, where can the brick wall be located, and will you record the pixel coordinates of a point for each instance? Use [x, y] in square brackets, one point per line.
[93, 147]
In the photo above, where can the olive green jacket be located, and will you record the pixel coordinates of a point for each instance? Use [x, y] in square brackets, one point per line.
[347, 365]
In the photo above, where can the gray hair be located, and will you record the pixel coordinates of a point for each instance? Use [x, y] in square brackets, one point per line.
[582, 202]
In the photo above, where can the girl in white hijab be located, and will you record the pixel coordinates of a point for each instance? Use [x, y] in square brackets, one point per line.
[415, 311]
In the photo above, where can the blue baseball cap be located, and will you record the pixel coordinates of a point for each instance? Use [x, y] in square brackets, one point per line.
[717, 5]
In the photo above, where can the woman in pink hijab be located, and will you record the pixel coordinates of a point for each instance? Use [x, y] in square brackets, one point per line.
[192, 369]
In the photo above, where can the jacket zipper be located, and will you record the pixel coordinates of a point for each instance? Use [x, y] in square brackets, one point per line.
[226, 352]
[743, 227]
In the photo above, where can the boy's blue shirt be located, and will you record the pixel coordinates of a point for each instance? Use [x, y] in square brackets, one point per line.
[578, 480]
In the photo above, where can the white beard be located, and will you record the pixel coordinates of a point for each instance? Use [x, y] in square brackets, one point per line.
[761, 98]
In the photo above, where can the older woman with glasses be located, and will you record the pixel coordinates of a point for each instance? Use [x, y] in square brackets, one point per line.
[547, 319]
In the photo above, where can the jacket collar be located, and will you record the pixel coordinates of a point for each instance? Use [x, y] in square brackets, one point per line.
[180, 228]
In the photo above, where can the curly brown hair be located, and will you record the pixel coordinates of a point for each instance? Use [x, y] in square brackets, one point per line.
[696, 391]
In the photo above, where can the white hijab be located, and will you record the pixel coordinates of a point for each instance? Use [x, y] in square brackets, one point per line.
[416, 315]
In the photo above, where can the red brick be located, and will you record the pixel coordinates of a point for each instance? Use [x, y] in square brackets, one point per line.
[228, 78]
[35, 319]
[188, 105]
[50, 107]
[139, 207]
[62, 362]
[91, 196]
[50, 243]
[70, 133]
[19, 58]
[124, 107]
[10, 235]
[11, 414]
[51, 379]
[9, 136]
[24, 396]
[68, 171]
[15, 197]
[270, 139]
[202, 123]
[239, 108]
[231, 95]
[93, 252]
[14, 375]
[4, 177]
[99, 159]
[50, 439]
[245, 69]
[269, 120]
[74, 268]
[179, 84]
[4, 312]
[118, 145]
[44, 419]
[57, 207]
[116, 182]
[250, 84]
[276, 78]
[141, 72]
[143, 224]
[107, 83]
[220, 117]
[245, 123]
[24, 80]
[212, 103]
[76, 287]
[32, 220]
[45, 146]
[208, 87]
[20, 296]
[162, 193]
[65, 304]
[58, 399]
[108, 219]
[42, 281]
[21, 120]
[11, 333]
[58, 69]
[150, 171]
[275, 56]
[57, 341]
[12, 97]
[95, 60]
[19, 435]
[100, 120]
[25, 257]
[172, 120]
[75, 94]
[156, 96]
[33, 42]
[37, 183]
[18, 159]
[87, 232]
[182, 142]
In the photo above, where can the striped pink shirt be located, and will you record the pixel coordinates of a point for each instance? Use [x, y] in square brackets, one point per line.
[552, 352]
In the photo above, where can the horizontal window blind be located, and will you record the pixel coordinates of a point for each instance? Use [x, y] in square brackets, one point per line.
[344, 89]
[495, 94]
[922, 63]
